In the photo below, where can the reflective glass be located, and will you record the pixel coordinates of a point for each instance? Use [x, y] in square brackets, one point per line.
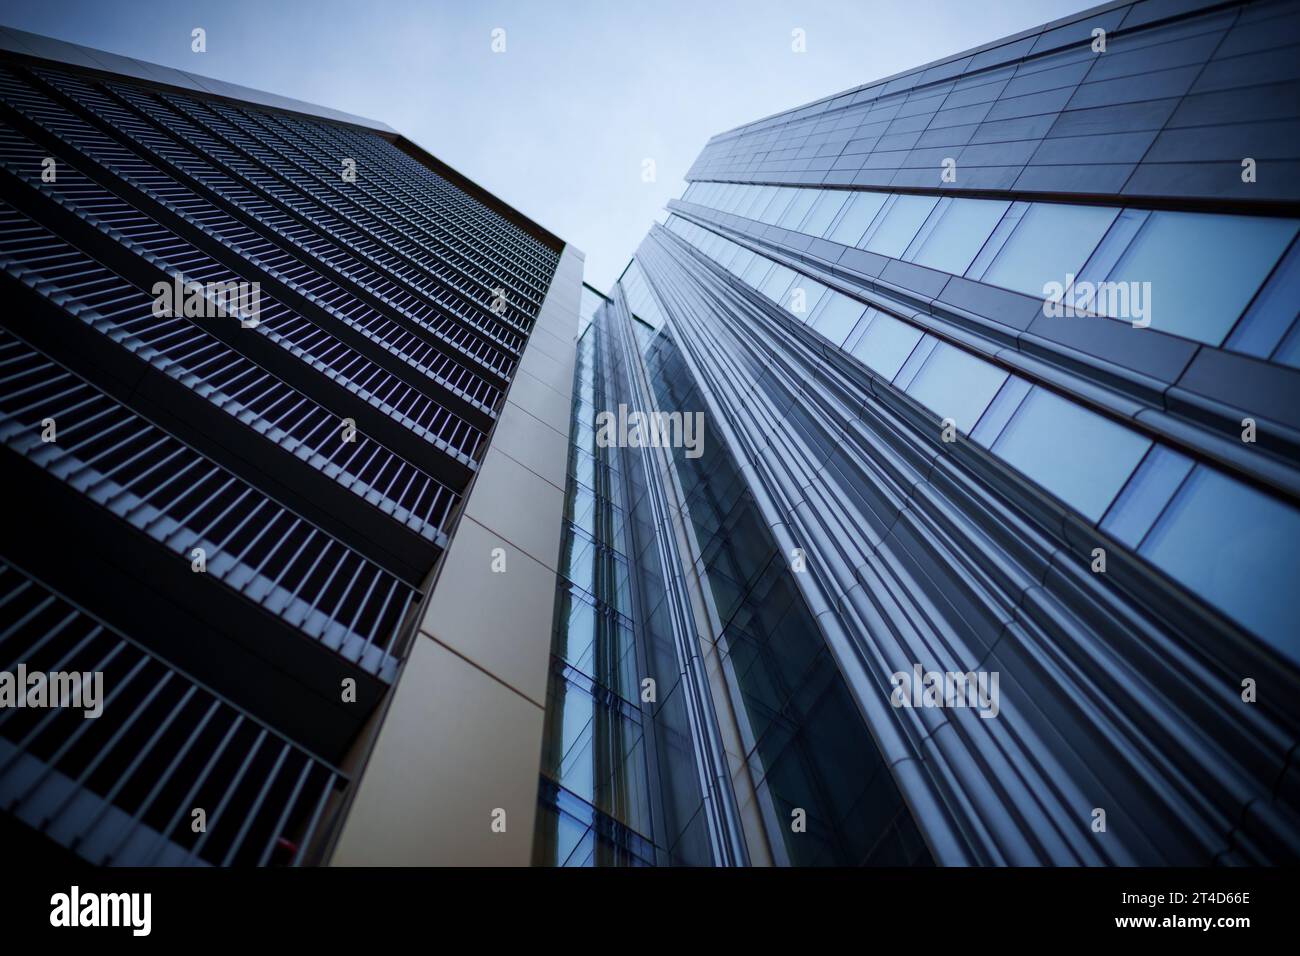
[955, 384]
[1145, 495]
[823, 213]
[886, 344]
[1273, 312]
[1051, 241]
[900, 224]
[855, 218]
[838, 316]
[1236, 547]
[798, 208]
[1203, 268]
[803, 297]
[1077, 455]
[958, 237]
[777, 281]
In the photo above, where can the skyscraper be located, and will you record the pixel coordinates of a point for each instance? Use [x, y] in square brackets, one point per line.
[924, 492]
[281, 395]
[987, 551]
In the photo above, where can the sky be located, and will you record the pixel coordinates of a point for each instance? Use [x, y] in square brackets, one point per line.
[559, 124]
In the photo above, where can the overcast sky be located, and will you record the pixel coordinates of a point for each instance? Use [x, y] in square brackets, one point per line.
[559, 124]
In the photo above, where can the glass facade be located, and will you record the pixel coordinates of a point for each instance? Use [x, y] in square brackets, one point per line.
[1025, 247]
[998, 358]
[1083, 458]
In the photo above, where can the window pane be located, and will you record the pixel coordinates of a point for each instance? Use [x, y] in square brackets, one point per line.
[837, 319]
[955, 384]
[1075, 454]
[1273, 312]
[861, 210]
[1203, 268]
[1052, 240]
[780, 198]
[1146, 495]
[754, 199]
[756, 271]
[886, 344]
[960, 234]
[803, 297]
[777, 282]
[823, 213]
[798, 208]
[1237, 548]
[900, 225]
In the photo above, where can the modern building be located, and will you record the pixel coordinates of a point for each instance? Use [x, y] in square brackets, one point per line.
[925, 492]
[999, 369]
[281, 395]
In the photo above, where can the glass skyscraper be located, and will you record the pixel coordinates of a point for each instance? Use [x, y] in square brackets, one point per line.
[998, 360]
[925, 492]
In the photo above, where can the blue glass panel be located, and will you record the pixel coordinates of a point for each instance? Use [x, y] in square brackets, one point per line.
[1273, 312]
[823, 213]
[855, 218]
[779, 199]
[838, 316]
[1000, 410]
[798, 208]
[997, 240]
[777, 281]
[1052, 241]
[886, 344]
[958, 237]
[1203, 268]
[1237, 548]
[757, 270]
[1077, 455]
[803, 297]
[900, 224]
[955, 384]
[1112, 246]
[1146, 495]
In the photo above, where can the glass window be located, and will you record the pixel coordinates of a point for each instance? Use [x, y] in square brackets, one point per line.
[1051, 241]
[857, 215]
[1237, 548]
[823, 213]
[838, 317]
[780, 199]
[1146, 495]
[777, 281]
[955, 384]
[756, 270]
[803, 296]
[742, 260]
[1000, 410]
[1077, 455]
[1203, 268]
[1273, 312]
[755, 200]
[886, 344]
[798, 208]
[960, 234]
[900, 224]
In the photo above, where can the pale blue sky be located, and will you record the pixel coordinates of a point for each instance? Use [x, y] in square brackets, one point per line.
[559, 124]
